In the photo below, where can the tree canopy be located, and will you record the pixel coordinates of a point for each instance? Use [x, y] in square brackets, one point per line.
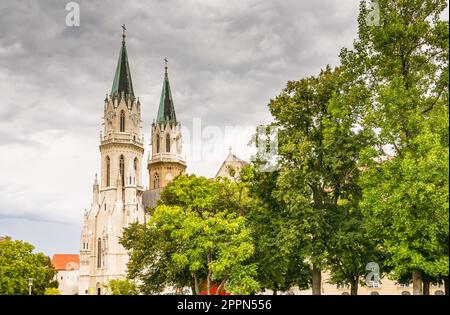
[194, 238]
[18, 263]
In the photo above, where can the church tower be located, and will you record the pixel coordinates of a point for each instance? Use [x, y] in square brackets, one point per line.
[117, 199]
[165, 161]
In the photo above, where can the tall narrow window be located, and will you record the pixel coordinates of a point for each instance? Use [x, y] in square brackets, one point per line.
[168, 143]
[122, 169]
[156, 181]
[122, 121]
[158, 141]
[136, 165]
[108, 171]
[99, 253]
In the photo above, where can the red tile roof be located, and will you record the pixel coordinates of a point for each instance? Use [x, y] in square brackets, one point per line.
[66, 261]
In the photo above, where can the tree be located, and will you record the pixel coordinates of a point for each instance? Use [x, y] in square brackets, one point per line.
[18, 263]
[278, 251]
[351, 248]
[402, 65]
[195, 238]
[121, 287]
[414, 195]
[319, 148]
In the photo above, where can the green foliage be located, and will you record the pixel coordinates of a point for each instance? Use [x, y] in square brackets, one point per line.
[414, 191]
[278, 251]
[18, 263]
[195, 235]
[319, 147]
[337, 201]
[402, 67]
[52, 291]
[121, 287]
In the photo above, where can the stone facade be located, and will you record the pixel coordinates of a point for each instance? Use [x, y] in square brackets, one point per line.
[120, 199]
[165, 161]
[231, 167]
[117, 200]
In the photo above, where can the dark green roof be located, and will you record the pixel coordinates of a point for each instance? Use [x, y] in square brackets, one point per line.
[122, 78]
[166, 111]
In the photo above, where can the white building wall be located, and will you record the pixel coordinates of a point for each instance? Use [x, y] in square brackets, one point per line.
[68, 281]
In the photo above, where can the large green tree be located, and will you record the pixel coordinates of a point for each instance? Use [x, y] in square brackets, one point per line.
[279, 254]
[18, 263]
[195, 237]
[351, 248]
[401, 62]
[319, 145]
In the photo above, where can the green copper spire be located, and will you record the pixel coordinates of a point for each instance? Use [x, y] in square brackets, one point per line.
[122, 78]
[166, 111]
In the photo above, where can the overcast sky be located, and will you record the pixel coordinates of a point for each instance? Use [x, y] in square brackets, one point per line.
[226, 60]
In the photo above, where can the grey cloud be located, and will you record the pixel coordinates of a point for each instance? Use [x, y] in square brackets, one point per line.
[226, 60]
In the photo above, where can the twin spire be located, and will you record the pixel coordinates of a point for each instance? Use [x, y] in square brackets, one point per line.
[123, 83]
[122, 79]
[166, 110]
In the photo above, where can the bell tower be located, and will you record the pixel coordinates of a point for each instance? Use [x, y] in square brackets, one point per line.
[117, 193]
[121, 143]
[165, 161]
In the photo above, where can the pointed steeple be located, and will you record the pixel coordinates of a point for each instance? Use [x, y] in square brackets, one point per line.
[122, 78]
[95, 191]
[166, 111]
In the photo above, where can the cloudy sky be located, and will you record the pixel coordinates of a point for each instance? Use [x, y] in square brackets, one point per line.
[227, 59]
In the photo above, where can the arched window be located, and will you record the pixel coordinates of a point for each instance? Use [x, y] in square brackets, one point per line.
[158, 141]
[156, 181]
[99, 253]
[122, 121]
[167, 143]
[136, 166]
[122, 169]
[108, 171]
[406, 293]
[374, 293]
[439, 292]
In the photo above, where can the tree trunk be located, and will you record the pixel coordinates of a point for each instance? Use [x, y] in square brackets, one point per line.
[274, 292]
[197, 291]
[316, 281]
[426, 287]
[417, 282]
[354, 285]
[446, 285]
[208, 276]
[208, 283]
[220, 287]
